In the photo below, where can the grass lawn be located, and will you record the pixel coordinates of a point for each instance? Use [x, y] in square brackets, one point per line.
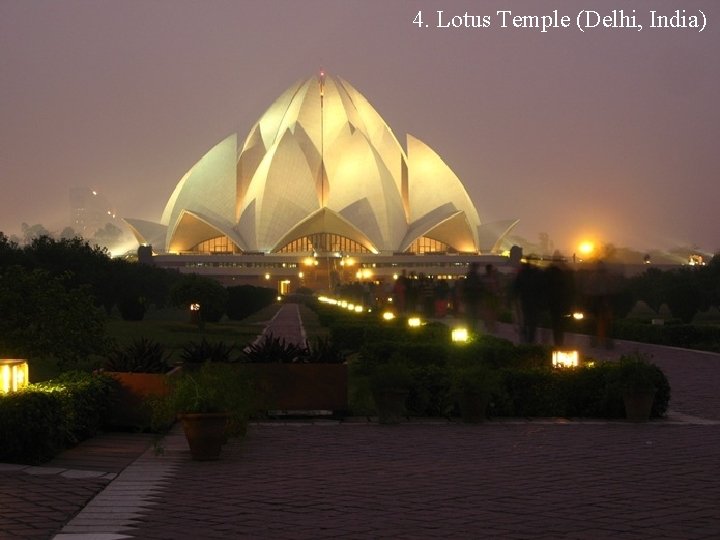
[174, 334]
[173, 329]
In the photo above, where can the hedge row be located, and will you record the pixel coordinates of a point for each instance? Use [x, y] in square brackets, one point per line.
[692, 336]
[585, 392]
[44, 419]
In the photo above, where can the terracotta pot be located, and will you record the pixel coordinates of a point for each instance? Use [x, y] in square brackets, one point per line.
[131, 408]
[638, 405]
[205, 433]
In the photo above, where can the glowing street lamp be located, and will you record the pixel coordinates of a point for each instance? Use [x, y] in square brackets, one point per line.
[586, 248]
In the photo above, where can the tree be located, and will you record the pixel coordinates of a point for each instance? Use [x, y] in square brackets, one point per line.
[683, 294]
[108, 236]
[67, 233]
[208, 293]
[76, 260]
[244, 300]
[31, 232]
[136, 286]
[41, 316]
[9, 251]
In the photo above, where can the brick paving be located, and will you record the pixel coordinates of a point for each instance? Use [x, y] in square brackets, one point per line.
[448, 480]
[424, 479]
[35, 502]
[34, 506]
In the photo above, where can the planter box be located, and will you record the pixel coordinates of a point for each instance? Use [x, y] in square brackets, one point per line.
[131, 409]
[300, 387]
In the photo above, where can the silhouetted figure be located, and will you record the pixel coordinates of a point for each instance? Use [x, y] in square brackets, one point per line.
[599, 292]
[400, 293]
[560, 283]
[490, 302]
[441, 294]
[528, 289]
[426, 293]
[472, 294]
[412, 294]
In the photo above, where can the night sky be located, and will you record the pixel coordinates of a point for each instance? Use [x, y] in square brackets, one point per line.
[611, 132]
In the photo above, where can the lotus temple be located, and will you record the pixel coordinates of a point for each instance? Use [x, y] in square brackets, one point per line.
[320, 192]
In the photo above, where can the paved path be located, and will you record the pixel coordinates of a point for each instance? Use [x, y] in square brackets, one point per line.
[287, 325]
[435, 479]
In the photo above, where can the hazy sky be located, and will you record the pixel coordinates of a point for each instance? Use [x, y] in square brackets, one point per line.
[611, 131]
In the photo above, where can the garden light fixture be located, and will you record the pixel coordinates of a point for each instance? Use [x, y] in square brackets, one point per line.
[565, 359]
[459, 335]
[13, 375]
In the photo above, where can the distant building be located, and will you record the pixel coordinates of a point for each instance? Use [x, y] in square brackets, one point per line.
[320, 191]
[89, 211]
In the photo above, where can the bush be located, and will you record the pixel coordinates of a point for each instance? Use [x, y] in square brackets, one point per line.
[33, 427]
[42, 420]
[141, 356]
[324, 351]
[693, 336]
[274, 350]
[587, 394]
[531, 392]
[205, 351]
[349, 336]
[86, 401]
[593, 392]
[430, 391]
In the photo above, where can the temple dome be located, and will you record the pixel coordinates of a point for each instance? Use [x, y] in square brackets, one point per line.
[319, 171]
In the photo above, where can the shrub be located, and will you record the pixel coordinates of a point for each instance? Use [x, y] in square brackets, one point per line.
[271, 349]
[33, 427]
[532, 392]
[501, 353]
[324, 351]
[42, 420]
[205, 351]
[430, 391]
[141, 356]
[350, 336]
[587, 394]
[392, 375]
[86, 401]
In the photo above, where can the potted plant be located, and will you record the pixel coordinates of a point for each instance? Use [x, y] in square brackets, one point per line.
[638, 383]
[390, 385]
[473, 385]
[143, 372]
[211, 402]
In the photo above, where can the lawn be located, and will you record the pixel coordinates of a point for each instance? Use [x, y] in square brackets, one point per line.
[173, 329]
[174, 333]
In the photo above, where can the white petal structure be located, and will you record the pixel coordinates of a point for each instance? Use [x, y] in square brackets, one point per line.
[320, 171]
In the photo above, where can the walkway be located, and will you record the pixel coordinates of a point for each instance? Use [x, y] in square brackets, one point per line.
[425, 479]
[287, 325]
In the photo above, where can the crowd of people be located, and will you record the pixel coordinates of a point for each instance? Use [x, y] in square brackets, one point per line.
[529, 292]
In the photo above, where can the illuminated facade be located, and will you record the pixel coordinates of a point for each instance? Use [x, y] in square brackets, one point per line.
[320, 174]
